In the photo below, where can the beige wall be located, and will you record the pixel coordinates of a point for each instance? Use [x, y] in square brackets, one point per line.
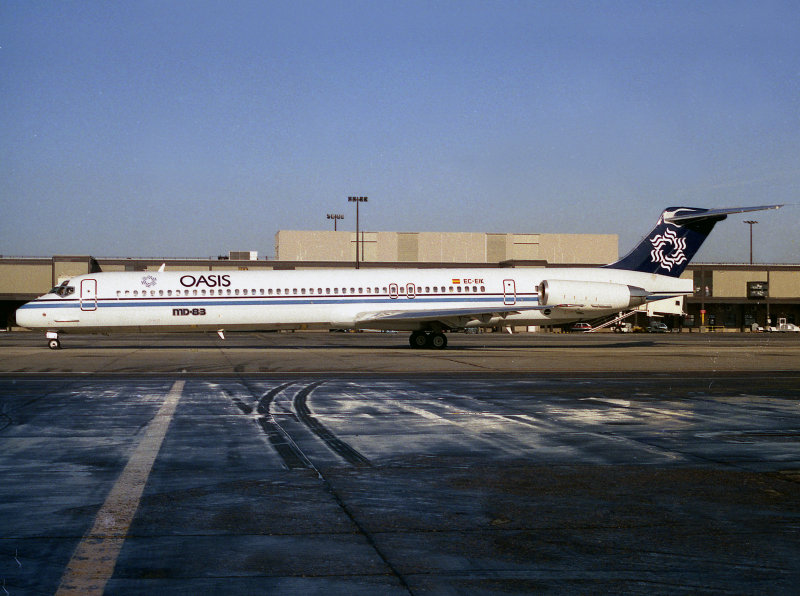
[293, 245]
[446, 247]
[598, 249]
[784, 284]
[65, 267]
[25, 279]
[733, 284]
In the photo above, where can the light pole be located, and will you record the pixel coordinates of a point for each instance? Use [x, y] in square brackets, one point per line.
[357, 200]
[750, 222]
[335, 217]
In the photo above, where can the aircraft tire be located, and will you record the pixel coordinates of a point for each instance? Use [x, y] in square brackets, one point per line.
[54, 344]
[418, 339]
[437, 340]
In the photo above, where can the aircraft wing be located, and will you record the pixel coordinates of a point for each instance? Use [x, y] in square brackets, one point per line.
[441, 314]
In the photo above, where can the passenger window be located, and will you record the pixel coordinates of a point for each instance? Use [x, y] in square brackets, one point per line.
[335, 290]
[244, 292]
[161, 292]
[451, 289]
[169, 292]
[127, 292]
[360, 290]
[466, 288]
[294, 291]
[474, 288]
[194, 292]
[119, 293]
[369, 290]
[203, 292]
[385, 291]
[458, 289]
[136, 292]
[278, 291]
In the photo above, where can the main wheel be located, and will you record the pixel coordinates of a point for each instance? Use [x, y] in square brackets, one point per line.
[418, 339]
[54, 344]
[437, 340]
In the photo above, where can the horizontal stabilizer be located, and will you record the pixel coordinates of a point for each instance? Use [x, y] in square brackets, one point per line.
[717, 214]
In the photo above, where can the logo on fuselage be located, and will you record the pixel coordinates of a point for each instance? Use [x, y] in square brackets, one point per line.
[668, 249]
[149, 281]
[209, 281]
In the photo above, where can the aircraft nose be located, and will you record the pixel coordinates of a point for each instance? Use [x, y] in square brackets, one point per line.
[27, 316]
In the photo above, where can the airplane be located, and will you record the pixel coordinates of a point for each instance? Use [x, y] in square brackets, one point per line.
[425, 302]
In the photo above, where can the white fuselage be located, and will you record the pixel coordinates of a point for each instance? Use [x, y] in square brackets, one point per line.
[401, 299]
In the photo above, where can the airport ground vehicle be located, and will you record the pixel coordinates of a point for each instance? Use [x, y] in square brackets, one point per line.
[783, 326]
[657, 327]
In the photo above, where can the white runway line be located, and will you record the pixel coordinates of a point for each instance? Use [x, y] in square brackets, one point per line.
[93, 561]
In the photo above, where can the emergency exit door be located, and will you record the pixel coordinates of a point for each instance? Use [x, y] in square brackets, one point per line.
[88, 294]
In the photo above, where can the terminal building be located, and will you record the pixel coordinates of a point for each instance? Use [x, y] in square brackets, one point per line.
[728, 296]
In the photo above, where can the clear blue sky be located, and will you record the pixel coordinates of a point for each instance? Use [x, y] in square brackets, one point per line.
[179, 128]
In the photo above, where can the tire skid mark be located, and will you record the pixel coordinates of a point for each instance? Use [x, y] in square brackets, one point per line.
[333, 442]
[292, 456]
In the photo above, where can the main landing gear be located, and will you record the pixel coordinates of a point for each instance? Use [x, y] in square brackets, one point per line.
[433, 340]
[52, 340]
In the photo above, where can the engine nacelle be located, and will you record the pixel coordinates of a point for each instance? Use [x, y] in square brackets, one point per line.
[590, 295]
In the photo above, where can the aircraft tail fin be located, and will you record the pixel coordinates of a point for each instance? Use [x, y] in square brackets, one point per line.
[677, 236]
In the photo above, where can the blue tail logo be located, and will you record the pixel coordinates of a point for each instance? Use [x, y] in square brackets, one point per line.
[669, 249]
[676, 238]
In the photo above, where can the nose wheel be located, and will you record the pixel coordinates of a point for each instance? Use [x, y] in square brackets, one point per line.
[435, 340]
[52, 340]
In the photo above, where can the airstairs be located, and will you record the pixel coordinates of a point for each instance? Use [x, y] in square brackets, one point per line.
[617, 319]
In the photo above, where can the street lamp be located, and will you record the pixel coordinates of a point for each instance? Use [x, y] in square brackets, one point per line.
[357, 200]
[750, 222]
[335, 217]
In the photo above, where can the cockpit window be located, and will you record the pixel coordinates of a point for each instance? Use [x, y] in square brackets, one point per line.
[63, 290]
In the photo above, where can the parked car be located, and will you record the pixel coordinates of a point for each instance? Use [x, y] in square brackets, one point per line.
[581, 327]
[657, 327]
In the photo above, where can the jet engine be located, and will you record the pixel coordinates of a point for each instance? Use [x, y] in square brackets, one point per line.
[590, 295]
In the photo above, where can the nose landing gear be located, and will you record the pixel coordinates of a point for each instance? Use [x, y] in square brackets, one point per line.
[435, 340]
[52, 340]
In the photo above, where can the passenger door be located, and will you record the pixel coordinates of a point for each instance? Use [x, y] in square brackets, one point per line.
[88, 294]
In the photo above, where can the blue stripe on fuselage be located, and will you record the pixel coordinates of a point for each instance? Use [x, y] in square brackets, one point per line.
[266, 301]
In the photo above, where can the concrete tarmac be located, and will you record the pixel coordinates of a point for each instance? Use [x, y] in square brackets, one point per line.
[351, 464]
[255, 353]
